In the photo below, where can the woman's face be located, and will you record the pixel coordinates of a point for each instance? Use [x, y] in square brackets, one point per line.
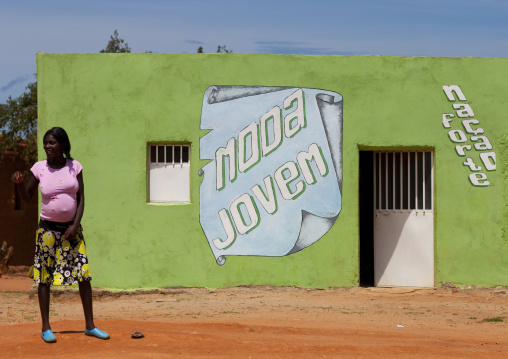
[52, 147]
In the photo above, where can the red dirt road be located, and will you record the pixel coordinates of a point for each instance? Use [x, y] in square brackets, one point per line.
[261, 322]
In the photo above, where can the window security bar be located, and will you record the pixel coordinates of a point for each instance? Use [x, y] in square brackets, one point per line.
[403, 180]
[169, 154]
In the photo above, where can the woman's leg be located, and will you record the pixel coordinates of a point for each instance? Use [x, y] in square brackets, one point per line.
[44, 295]
[85, 292]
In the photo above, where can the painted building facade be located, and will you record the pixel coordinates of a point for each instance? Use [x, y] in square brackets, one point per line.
[217, 170]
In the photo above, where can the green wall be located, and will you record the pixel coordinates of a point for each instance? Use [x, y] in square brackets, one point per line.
[112, 105]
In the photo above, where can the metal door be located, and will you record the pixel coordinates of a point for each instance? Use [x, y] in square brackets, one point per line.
[403, 219]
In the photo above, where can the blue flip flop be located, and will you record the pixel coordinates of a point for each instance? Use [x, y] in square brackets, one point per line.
[96, 332]
[48, 336]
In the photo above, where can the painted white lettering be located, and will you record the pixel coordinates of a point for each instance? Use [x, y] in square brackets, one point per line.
[447, 118]
[275, 114]
[463, 110]
[304, 158]
[238, 217]
[479, 179]
[222, 152]
[298, 115]
[457, 136]
[480, 142]
[268, 200]
[489, 160]
[460, 149]
[449, 90]
[250, 131]
[283, 182]
[228, 228]
[467, 126]
[472, 166]
[484, 145]
[253, 142]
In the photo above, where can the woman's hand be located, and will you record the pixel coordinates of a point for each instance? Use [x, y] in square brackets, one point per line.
[17, 177]
[25, 191]
[71, 232]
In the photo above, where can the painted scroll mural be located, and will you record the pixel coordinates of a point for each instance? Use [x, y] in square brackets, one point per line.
[273, 184]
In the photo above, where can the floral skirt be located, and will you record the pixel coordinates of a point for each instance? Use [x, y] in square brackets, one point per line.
[59, 261]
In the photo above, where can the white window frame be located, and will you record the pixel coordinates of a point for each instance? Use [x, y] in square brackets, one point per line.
[168, 177]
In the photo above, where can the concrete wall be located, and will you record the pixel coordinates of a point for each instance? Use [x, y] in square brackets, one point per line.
[113, 105]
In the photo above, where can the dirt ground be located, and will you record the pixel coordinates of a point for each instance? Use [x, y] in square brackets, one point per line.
[260, 322]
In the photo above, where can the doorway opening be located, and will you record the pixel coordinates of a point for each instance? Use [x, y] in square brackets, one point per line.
[396, 218]
[366, 220]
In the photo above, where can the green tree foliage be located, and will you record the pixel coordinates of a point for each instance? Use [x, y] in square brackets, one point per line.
[18, 120]
[220, 50]
[116, 45]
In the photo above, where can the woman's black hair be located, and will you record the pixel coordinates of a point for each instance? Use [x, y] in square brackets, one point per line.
[61, 136]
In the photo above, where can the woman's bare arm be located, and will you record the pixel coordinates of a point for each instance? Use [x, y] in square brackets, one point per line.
[26, 192]
[80, 198]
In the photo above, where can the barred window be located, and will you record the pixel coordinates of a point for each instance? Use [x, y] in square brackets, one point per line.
[169, 173]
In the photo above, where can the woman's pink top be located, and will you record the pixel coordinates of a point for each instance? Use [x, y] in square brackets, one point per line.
[58, 190]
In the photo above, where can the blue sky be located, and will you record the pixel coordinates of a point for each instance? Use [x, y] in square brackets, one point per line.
[355, 27]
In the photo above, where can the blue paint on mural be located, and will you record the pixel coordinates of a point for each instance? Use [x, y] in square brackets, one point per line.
[273, 186]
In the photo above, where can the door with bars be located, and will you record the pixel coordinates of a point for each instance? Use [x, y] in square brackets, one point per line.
[403, 219]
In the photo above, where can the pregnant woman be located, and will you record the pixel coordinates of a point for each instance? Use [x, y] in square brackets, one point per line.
[60, 254]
